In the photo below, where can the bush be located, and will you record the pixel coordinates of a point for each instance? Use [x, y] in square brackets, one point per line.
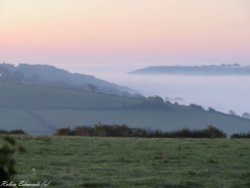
[63, 132]
[17, 131]
[196, 107]
[125, 131]
[3, 132]
[209, 132]
[241, 135]
[213, 132]
[7, 162]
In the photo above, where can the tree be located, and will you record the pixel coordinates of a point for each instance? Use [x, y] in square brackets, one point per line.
[154, 101]
[232, 113]
[211, 110]
[63, 132]
[92, 87]
[196, 107]
[213, 132]
[246, 115]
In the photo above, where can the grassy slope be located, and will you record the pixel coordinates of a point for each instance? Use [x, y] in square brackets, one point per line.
[43, 109]
[49, 97]
[14, 118]
[132, 162]
[17, 105]
[155, 119]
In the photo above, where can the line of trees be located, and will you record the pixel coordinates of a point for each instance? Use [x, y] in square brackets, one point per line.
[124, 131]
[241, 135]
[17, 131]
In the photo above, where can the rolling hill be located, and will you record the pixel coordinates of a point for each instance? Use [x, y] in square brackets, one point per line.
[212, 70]
[47, 75]
[43, 109]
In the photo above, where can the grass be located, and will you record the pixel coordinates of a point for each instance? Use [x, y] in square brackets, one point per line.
[30, 96]
[42, 110]
[134, 162]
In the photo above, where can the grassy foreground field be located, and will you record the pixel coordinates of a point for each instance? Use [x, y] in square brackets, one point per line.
[134, 162]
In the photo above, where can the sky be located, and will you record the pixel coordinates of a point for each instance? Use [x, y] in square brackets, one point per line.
[87, 32]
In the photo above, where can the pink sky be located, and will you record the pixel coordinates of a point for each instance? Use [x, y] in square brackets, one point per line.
[92, 31]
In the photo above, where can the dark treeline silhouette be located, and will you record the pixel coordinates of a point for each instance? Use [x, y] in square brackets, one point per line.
[17, 131]
[125, 131]
[241, 135]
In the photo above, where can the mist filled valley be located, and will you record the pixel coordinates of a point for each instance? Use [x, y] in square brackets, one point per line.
[224, 93]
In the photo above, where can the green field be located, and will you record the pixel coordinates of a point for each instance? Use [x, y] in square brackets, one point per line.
[134, 162]
[42, 110]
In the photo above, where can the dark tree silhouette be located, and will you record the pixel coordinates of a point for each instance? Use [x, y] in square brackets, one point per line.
[92, 87]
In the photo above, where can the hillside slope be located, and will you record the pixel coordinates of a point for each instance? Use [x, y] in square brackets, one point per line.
[46, 75]
[41, 110]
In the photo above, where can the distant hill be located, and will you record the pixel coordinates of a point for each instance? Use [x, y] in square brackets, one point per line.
[43, 109]
[46, 75]
[215, 70]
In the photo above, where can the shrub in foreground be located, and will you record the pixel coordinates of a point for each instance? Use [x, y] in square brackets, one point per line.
[7, 162]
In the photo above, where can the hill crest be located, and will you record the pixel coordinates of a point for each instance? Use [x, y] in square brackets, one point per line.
[47, 75]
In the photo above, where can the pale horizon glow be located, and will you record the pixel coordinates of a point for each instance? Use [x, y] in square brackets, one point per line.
[63, 32]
